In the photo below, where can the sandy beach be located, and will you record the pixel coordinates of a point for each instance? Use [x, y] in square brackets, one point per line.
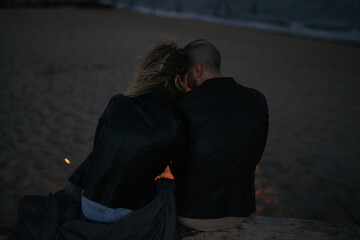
[60, 66]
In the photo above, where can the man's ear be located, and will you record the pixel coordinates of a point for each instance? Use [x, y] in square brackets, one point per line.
[197, 70]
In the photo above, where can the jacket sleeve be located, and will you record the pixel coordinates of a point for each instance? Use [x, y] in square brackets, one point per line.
[79, 176]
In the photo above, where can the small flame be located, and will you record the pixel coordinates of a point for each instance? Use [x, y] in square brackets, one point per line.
[67, 161]
[166, 174]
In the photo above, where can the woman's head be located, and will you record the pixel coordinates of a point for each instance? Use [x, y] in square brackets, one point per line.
[164, 66]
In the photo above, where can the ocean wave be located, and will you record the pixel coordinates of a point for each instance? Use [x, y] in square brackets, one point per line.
[314, 19]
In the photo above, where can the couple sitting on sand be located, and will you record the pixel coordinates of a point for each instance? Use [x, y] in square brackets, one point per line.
[212, 137]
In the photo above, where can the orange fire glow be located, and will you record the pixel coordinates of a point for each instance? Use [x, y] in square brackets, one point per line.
[166, 174]
[67, 161]
[268, 198]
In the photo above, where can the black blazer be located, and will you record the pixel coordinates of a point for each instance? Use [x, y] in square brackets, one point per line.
[136, 138]
[227, 132]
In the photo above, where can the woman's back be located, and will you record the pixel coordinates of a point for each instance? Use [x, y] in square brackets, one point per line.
[135, 140]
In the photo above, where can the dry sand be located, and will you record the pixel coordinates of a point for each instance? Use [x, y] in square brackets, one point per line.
[59, 67]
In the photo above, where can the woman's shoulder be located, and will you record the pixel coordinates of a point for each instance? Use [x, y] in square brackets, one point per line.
[119, 100]
[119, 97]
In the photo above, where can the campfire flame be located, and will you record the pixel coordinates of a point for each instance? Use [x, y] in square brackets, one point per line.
[268, 198]
[166, 174]
[67, 161]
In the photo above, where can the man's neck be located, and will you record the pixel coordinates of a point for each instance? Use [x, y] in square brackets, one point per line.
[210, 76]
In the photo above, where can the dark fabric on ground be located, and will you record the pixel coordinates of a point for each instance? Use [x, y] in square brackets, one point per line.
[58, 216]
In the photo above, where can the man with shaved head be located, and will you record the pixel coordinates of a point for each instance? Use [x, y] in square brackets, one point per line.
[227, 132]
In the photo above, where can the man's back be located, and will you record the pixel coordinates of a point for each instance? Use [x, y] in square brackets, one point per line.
[227, 126]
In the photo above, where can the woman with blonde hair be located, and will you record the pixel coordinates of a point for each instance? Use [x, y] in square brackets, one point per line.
[114, 194]
[137, 136]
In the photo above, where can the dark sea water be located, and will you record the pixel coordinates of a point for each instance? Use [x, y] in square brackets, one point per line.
[337, 20]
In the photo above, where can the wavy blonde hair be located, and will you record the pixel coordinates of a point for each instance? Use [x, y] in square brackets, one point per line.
[161, 64]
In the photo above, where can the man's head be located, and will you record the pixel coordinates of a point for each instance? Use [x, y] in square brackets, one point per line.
[204, 61]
